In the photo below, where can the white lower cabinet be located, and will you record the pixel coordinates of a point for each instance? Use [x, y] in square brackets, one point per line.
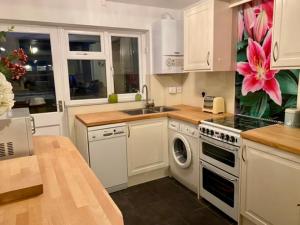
[270, 186]
[147, 145]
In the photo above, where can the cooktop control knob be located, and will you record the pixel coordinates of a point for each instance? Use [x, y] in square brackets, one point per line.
[232, 139]
[222, 136]
[227, 137]
[203, 130]
[207, 131]
[212, 132]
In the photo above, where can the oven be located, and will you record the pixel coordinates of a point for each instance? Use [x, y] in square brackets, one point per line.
[219, 188]
[220, 154]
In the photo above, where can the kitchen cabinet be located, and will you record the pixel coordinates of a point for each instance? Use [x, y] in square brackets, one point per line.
[208, 37]
[286, 35]
[236, 3]
[270, 185]
[147, 145]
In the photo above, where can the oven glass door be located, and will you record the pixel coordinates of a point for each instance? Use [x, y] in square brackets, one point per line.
[222, 188]
[221, 155]
[219, 188]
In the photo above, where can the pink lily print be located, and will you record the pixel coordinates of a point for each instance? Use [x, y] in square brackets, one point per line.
[257, 73]
[258, 19]
[241, 26]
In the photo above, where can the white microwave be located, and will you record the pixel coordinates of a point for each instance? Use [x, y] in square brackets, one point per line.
[16, 129]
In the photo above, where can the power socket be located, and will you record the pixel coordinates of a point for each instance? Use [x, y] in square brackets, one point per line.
[179, 89]
[172, 90]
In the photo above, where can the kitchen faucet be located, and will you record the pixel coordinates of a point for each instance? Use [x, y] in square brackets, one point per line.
[147, 105]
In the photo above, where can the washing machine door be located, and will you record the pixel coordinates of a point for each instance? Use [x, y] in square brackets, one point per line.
[181, 151]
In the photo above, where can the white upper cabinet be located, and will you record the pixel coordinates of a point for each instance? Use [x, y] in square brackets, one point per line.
[208, 44]
[286, 35]
[270, 186]
[236, 3]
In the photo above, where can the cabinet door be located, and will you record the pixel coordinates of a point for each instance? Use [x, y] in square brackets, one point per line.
[147, 146]
[286, 35]
[197, 36]
[270, 190]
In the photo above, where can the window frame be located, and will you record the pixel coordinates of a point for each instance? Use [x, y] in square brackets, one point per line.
[105, 54]
[87, 54]
[84, 55]
[129, 96]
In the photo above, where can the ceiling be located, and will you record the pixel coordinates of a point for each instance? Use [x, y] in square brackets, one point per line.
[172, 4]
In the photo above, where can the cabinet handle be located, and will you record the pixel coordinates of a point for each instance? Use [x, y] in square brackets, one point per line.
[128, 131]
[33, 125]
[298, 205]
[275, 49]
[243, 149]
[207, 59]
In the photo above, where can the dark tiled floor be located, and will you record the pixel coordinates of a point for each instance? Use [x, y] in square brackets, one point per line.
[166, 202]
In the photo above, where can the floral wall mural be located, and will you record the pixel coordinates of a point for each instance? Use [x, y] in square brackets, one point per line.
[260, 91]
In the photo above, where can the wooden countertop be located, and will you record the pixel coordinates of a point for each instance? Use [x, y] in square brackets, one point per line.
[72, 193]
[186, 113]
[277, 136]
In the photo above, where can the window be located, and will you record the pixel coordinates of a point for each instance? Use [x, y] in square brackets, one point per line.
[125, 59]
[87, 79]
[102, 63]
[36, 90]
[85, 43]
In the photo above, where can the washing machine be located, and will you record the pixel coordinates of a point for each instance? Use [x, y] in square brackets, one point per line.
[183, 153]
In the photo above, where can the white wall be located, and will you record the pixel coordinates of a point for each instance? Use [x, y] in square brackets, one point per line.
[159, 88]
[213, 83]
[83, 12]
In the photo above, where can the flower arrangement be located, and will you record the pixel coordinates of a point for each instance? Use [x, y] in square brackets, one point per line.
[11, 68]
[261, 92]
[6, 95]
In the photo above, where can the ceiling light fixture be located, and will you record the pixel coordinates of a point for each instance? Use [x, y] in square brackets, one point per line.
[33, 50]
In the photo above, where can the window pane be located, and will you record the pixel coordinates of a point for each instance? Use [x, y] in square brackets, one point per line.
[86, 43]
[36, 89]
[87, 79]
[125, 55]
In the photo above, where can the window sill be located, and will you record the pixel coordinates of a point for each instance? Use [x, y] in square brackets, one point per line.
[82, 103]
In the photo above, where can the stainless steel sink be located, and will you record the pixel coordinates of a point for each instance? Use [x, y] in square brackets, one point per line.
[142, 111]
[163, 109]
[134, 112]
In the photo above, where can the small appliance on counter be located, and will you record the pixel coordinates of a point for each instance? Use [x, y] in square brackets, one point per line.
[292, 117]
[214, 105]
[16, 134]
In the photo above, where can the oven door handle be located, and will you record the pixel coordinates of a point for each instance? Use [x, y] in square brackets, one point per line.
[211, 143]
[226, 178]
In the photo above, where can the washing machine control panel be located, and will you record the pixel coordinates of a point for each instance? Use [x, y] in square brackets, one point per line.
[189, 130]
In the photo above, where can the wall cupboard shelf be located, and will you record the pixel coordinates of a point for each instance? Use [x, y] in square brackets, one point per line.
[235, 3]
[286, 35]
[208, 44]
[270, 184]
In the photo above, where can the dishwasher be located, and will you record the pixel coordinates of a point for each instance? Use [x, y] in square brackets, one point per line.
[108, 155]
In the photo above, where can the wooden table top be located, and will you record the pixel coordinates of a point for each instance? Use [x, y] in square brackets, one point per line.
[72, 193]
[20, 179]
[277, 136]
[186, 113]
